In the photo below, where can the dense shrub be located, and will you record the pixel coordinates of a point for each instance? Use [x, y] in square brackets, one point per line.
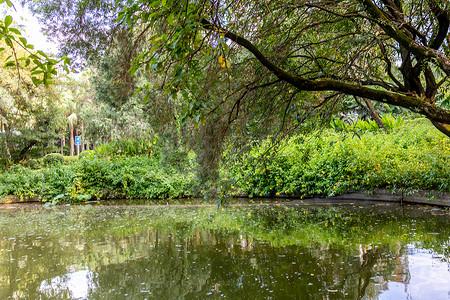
[20, 181]
[413, 157]
[93, 177]
[33, 163]
[53, 159]
[70, 159]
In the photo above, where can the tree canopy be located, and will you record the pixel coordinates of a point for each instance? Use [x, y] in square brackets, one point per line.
[263, 61]
[391, 51]
[21, 54]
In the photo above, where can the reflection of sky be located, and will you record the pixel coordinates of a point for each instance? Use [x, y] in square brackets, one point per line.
[430, 279]
[77, 284]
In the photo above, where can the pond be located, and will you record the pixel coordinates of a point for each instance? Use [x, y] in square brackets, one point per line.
[268, 251]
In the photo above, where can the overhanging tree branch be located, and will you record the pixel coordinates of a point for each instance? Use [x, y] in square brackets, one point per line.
[416, 104]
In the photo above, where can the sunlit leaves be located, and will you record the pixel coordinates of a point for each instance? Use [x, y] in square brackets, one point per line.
[9, 3]
[21, 54]
[8, 21]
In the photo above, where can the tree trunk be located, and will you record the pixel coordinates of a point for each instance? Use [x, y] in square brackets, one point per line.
[5, 152]
[373, 114]
[444, 128]
[82, 137]
[71, 143]
[77, 147]
[63, 143]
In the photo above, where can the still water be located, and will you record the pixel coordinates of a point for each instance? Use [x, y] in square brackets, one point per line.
[315, 251]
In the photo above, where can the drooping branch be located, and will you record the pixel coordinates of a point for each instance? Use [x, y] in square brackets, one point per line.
[416, 104]
[372, 112]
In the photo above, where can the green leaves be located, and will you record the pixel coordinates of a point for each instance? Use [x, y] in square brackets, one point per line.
[8, 21]
[9, 64]
[44, 67]
[147, 97]
[171, 19]
[9, 3]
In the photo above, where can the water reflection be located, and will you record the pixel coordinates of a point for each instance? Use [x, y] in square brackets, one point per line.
[75, 285]
[305, 252]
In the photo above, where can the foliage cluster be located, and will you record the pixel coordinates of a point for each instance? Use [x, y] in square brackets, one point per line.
[124, 147]
[388, 120]
[53, 159]
[50, 159]
[92, 177]
[330, 163]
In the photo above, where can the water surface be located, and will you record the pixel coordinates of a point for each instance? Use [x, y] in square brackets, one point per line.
[319, 251]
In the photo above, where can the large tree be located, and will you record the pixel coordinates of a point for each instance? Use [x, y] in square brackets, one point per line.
[256, 61]
[390, 51]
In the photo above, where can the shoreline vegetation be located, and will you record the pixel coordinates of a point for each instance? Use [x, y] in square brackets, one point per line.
[331, 162]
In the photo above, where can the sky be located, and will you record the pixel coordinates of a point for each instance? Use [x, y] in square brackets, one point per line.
[31, 30]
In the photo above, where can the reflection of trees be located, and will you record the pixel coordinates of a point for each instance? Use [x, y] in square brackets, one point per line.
[170, 267]
[155, 255]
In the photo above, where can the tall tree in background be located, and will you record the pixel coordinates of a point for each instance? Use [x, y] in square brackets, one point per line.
[256, 68]
[29, 115]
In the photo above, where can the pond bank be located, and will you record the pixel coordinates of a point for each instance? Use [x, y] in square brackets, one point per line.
[419, 197]
[435, 198]
[378, 195]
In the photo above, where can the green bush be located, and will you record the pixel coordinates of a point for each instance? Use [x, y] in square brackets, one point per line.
[33, 164]
[92, 177]
[53, 159]
[20, 181]
[413, 157]
[70, 159]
